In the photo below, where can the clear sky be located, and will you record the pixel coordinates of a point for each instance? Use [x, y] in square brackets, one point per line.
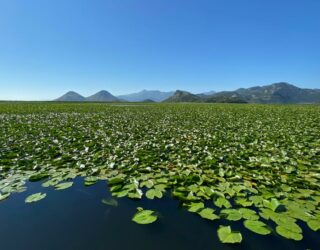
[48, 47]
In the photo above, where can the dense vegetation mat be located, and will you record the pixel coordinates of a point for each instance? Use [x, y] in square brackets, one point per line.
[256, 163]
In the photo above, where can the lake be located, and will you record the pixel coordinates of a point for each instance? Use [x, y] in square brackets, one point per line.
[76, 218]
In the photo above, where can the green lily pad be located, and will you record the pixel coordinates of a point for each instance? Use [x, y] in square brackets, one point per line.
[248, 214]
[222, 202]
[151, 193]
[227, 236]
[121, 193]
[244, 202]
[289, 234]
[51, 182]
[135, 194]
[208, 213]
[115, 180]
[38, 177]
[35, 197]
[148, 184]
[63, 185]
[231, 214]
[272, 204]
[90, 180]
[4, 196]
[257, 227]
[314, 224]
[195, 206]
[144, 216]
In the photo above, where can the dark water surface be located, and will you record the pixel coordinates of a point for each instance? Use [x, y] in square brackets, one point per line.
[76, 219]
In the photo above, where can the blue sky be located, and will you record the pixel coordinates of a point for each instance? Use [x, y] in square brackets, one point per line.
[50, 47]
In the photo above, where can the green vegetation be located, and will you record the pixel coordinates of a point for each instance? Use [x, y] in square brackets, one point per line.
[227, 236]
[35, 197]
[251, 163]
[144, 216]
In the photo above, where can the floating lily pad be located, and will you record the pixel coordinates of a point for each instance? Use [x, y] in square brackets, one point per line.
[152, 193]
[4, 196]
[208, 213]
[35, 197]
[231, 214]
[222, 202]
[314, 224]
[257, 226]
[288, 233]
[63, 185]
[38, 177]
[90, 180]
[272, 204]
[144, 216]
[195, 206]
[227, 236]
[248, 214]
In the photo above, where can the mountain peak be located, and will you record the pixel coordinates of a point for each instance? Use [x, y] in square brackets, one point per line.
[183, 96]
[103, 92]
[102, 96]
[283, 85]
[70, 96]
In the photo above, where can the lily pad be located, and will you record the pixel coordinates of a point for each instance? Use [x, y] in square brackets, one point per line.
[35, 197]
[248, 214]
[4, 196]
[272, 204]
[257, 226]
[195, 206]
[289, 234]
[63, 185]
[227, 236]
[314, 224]
[222, 202]
[144, 216]
[38, 177]
[90, 180]
[231, 214]
[208, 213]
[152, 193]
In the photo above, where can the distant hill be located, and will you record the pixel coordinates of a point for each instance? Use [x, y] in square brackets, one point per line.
[70, 96]
[154, 95]
[209, 93]
[274, 93]
[183, 96]
[279, 93]
[102, 96]
[148, 100]
[225, 97]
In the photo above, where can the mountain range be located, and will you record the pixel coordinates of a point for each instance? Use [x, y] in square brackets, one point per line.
[274, 93]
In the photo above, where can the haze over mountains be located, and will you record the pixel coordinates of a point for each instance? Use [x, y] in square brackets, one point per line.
[274, 93]
[154, 95]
